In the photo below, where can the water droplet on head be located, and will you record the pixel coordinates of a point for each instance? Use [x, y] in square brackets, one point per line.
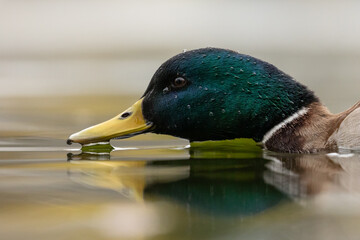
[211, 114]
[166, 90]
[283, 115]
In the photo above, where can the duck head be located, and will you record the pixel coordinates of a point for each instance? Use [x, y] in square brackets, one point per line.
[208, 94]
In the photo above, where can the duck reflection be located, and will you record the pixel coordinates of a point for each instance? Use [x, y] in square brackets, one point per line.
[217, 181]
[221, 187]
[308, 175]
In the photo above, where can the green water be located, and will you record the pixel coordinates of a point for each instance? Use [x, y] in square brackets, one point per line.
[157, 187]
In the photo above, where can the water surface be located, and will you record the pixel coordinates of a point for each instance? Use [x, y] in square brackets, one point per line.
[157, 187]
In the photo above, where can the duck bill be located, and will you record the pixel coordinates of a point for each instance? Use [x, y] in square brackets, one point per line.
[128, 123]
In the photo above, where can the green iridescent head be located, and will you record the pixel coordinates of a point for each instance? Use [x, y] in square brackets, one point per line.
[213, 94]
[208, 94]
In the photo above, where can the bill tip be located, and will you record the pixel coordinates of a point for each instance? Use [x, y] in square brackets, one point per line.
[69, 141]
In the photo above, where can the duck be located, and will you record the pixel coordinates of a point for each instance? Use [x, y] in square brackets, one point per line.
[219, 94]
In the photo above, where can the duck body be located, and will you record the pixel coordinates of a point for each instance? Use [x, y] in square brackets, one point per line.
[316, 129]
[217, 94]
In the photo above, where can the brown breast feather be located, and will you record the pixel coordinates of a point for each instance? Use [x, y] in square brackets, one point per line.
[318, 130]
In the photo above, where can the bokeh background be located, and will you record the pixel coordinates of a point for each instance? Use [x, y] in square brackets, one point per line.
[78, 47]
[94, 47]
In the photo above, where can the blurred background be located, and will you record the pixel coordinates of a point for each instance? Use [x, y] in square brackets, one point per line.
[61, 49]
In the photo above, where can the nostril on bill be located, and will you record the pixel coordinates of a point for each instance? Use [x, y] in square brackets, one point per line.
[69, 142]
[125, 115]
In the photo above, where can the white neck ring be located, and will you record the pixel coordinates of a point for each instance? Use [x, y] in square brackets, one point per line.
[281, 125]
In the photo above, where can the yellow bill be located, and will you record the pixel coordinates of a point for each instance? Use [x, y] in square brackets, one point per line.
[126, 124]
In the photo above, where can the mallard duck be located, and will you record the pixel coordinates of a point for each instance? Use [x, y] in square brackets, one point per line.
[216, 94]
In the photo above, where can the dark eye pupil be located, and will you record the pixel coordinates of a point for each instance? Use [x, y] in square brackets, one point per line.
[179, 82]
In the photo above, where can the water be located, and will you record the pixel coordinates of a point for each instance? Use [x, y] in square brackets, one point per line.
[156, 187]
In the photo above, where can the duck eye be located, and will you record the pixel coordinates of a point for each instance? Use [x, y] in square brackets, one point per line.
[178, 82]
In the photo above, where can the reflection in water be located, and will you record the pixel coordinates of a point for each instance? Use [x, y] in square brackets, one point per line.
[229, 187]
[220, 183]
[207, 190]
[305, 175]
[233, 175]
[227, 181]
[223, 182]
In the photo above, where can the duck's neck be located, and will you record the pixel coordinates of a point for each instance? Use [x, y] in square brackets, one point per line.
[307, 130]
